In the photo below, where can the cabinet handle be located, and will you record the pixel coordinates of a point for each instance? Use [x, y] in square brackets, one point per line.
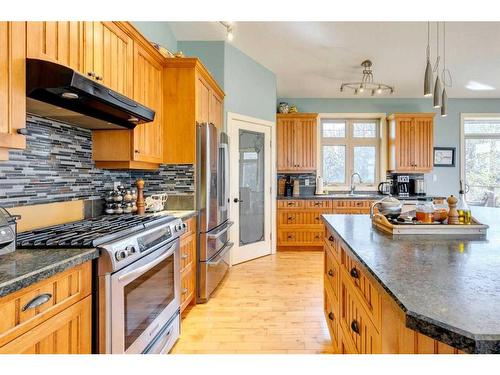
[91, 74]
[98, 78]
[317, 237]
[184, 256]
[316, 218]
[184, 291]
[355, 326]
[317, 204]
[330, 238]
[290, 237]
[37, 301]
[331, 316]
[291, 204]
[22, 131]
[137, 151]
[330, 273]
[290, 218]
[354, 273]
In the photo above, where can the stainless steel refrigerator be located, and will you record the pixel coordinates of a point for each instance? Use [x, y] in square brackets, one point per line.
[212, 202]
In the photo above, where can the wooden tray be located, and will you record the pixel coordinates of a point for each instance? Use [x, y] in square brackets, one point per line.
[475, 228]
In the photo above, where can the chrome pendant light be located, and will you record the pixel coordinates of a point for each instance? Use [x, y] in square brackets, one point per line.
[444, 103]
[437, 86]
[446, 76]
[428, 68]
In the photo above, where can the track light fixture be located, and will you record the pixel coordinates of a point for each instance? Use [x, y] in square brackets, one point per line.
[229, 30]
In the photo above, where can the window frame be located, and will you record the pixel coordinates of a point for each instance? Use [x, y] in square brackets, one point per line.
[474, 116]
[380, 143]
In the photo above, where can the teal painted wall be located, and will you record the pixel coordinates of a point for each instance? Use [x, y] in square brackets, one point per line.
[158, 32]
[446, 129]
[210, 53]
[250, 87]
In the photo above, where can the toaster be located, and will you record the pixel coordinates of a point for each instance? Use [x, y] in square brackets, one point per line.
[8, 230]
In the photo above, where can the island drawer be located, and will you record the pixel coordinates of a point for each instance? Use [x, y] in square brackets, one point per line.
[357, 327]
[331, 309]
[362, 284]
[284, 203]
[28, 307]
[332, 243]
[332, 272]
[305, 237]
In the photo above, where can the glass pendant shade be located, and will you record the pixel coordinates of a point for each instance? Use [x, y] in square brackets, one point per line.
[437, 93]
[428, 80]
[444, 103]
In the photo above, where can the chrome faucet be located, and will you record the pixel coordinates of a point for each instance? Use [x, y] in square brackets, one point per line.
[351, 192]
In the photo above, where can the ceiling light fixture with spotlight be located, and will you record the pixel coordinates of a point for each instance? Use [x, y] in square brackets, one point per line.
[229, 30]
[366, 84]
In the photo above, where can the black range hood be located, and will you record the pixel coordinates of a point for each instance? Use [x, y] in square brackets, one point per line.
[57, 92]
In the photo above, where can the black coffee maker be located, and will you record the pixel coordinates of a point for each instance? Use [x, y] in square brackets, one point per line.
[401, 185]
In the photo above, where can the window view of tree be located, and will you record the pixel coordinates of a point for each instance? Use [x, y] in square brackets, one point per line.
[481, 155]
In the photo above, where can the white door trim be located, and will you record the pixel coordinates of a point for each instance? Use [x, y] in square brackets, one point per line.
[232, 119]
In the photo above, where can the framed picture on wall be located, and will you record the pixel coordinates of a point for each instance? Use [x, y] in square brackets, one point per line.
[444, 156]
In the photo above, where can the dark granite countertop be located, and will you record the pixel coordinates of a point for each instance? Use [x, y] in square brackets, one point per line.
[24, 267]
[373, 195]
[448, 288]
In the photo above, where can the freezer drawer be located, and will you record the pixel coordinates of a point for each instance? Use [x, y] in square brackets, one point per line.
[211, 273]
[213, 241]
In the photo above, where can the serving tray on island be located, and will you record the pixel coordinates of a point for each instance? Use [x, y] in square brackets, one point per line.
[476, 228]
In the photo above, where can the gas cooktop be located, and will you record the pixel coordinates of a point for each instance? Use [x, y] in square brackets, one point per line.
[91, 232]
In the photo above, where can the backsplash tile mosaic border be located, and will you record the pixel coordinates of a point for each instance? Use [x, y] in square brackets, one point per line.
[57, 166]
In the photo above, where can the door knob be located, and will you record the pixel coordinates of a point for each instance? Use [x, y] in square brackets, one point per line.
[236, 200]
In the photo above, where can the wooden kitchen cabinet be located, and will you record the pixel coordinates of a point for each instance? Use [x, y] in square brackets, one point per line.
[12, 87]
[109, 56]
[191, 95]
[296, 142]
[57, 41]
[411, 142]
[60, 325]
[142, 147]
[368, 320]
[188, 264]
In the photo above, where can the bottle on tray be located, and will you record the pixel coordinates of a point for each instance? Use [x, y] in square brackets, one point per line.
[464, 213]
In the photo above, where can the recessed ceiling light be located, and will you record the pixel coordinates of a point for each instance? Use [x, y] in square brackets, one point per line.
[478, 86]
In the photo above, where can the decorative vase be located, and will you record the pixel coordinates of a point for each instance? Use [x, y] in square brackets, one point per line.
[293, 108]
[284, 107]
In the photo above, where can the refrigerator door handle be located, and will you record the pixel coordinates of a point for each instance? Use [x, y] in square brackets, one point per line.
[220, 231]
[223, 252]
[224, 177]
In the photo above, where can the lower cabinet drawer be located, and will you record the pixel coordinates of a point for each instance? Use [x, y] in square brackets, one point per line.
[331, 308]
[357, 327]
[28, 307]
[299, 217]
[333, 244]
[332, 272]
[68, 332]
[300, 237]
[188, 282]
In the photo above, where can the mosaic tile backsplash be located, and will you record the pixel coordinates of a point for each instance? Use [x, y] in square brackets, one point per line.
[57, 166]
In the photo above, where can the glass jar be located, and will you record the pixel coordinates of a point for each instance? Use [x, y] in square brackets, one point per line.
[425, 211]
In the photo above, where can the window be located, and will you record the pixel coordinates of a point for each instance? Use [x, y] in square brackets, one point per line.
[350, 146]
[481, 153]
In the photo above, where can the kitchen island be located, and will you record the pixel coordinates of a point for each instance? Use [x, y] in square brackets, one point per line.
[386, 293]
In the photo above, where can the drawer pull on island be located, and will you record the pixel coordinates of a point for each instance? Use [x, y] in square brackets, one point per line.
[330, 238]
[37, 301]
[354, 273]
[330, 273]
[331, 316]
[355, 326]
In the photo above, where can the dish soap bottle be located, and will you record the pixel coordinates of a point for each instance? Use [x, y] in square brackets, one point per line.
[464, 214]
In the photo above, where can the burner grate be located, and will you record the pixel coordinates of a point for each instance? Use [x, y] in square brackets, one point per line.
[88, 233]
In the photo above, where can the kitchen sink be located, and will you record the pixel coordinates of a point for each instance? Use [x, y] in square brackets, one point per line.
[355, 195]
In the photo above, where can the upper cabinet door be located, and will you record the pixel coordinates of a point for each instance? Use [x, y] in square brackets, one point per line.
[148, 91]
[285, 144]
[12, 87]
[60, 42]
[305, 144]
[216, 110]
[109, 56]
[202, 100]
[423, 144]
[404, 144]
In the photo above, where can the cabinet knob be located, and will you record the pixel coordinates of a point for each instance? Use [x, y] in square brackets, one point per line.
[290, 218]
[98, 78]
[91, 74]
[290, 236]
[317, 237]
[354, 273]
[137, 151]
[331, 316]
[316, 218]
[330, 238]
[355, 326]
[330, 273]
[22, 131]
[184, 291]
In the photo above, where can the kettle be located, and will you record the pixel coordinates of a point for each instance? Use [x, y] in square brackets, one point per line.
[390, 207]
[384, 188]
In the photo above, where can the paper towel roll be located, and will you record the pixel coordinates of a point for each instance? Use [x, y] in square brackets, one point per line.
[319, 185]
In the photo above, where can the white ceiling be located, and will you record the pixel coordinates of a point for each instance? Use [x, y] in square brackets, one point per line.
[311, 59]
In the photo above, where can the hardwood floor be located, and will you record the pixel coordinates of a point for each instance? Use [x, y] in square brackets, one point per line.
[269, 305]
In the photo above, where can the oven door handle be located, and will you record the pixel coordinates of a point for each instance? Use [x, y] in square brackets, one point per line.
[227, 247]
[138, 271]
[220, 231]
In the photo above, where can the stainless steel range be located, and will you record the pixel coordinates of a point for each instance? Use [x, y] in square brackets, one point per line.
[137, 288]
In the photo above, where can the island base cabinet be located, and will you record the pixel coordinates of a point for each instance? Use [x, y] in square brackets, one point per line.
[65, 333]
[361, 317]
